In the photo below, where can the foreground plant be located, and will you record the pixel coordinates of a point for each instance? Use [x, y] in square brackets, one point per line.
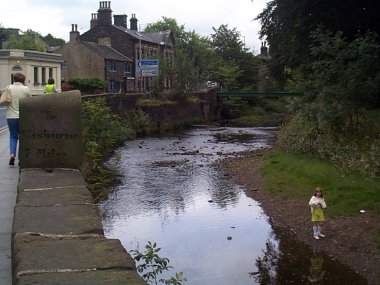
[153, 265]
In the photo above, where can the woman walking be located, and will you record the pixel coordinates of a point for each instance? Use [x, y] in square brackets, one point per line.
[18, 90]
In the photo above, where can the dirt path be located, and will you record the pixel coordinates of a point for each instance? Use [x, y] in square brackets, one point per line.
[348, 239]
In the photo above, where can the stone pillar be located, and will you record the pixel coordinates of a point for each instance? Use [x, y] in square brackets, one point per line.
[51, 131]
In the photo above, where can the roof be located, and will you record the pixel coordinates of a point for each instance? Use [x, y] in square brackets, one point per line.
[158, 37]
[152, 37]
[106, 51]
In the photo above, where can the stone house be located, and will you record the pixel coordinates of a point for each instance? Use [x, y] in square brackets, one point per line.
[38, 67]
[128, 42]
[90, 60]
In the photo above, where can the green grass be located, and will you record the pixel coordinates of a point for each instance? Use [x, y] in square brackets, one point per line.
[290, 175]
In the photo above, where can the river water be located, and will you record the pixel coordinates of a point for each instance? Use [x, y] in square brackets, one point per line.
[171, 192]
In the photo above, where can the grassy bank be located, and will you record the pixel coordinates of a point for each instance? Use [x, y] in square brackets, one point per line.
[294, 176]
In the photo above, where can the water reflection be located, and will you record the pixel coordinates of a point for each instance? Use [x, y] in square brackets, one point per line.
[317, 271]
[287, 261]
[172, 193]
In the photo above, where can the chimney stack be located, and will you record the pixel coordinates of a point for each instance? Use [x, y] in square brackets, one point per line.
[264, 49]
[104, 13]
[94, 20]
[120, 20]
[133, 22]
[74, 34]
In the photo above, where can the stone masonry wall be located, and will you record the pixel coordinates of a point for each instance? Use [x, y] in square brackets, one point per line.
[58, 238]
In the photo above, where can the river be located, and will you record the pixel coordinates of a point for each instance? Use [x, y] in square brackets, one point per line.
[171, 192]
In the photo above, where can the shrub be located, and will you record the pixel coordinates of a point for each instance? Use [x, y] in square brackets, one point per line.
[152, 265]
[103, 130]
[88, 85]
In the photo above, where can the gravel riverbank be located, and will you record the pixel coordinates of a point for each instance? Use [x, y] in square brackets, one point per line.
[349, 239]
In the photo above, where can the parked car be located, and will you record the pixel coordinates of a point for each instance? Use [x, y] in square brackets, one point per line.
[212, 84]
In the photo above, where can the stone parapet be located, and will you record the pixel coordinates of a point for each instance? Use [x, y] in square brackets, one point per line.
[57, 235]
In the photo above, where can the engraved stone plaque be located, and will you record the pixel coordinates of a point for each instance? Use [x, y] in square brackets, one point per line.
[51, 131]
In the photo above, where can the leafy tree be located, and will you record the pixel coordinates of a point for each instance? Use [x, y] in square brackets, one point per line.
[52, 41]
[230, 50]
[168, 24]
[3, 34]
[192, 55]
[346, 75]
[334, 121]
[30, 40]
[198, 59]
[228, 75]
[287, 25]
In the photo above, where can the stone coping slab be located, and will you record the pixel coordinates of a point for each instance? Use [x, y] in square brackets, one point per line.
[98, 277]
[35, 255]
[57, 235]
[71, 219]
[36, 178]
[58, 196]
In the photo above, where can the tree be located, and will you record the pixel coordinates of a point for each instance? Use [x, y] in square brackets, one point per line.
[347, 75]
[228, 75]
[192, 55]
[30, 40]
[197, 59]
[3, 35]
[52, 41]
[287, 25]
[230, 50]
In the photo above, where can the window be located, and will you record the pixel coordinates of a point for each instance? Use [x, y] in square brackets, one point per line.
[43, 75]
[51, 73]
[111, 86]
[111, 66]
[35, 75]
[127, 68]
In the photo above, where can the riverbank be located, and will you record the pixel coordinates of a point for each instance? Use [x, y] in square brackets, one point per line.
[349, 239]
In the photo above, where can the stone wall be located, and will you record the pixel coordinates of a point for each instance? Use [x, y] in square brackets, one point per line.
[180, 113]
[57, 235]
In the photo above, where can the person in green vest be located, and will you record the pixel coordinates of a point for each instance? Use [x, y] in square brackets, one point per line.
[50, 87]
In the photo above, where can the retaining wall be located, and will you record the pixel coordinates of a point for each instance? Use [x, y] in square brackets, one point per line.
[57, 235]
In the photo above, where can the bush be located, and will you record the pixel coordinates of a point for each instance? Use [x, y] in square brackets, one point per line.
[138, 121]
[103, 130]
[350, 151]
[88, 85]
[152, 266]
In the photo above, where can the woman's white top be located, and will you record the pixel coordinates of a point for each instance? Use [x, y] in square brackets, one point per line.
[18, 91]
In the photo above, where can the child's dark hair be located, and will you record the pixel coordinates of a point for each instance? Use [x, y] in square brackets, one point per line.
[318, 189]
[50, 81]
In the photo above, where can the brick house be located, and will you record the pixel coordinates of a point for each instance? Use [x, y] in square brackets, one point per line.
[128, 42]
[90, 60]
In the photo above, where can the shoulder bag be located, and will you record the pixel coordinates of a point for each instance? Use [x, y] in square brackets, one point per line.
[6, 97]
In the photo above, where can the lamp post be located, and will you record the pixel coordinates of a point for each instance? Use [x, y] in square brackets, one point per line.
[140, 35]
[140, 78]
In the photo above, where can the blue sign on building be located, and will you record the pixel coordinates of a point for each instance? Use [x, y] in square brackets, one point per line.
[147, 67]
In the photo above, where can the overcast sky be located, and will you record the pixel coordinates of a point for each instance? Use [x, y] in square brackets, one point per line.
[56, 16]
